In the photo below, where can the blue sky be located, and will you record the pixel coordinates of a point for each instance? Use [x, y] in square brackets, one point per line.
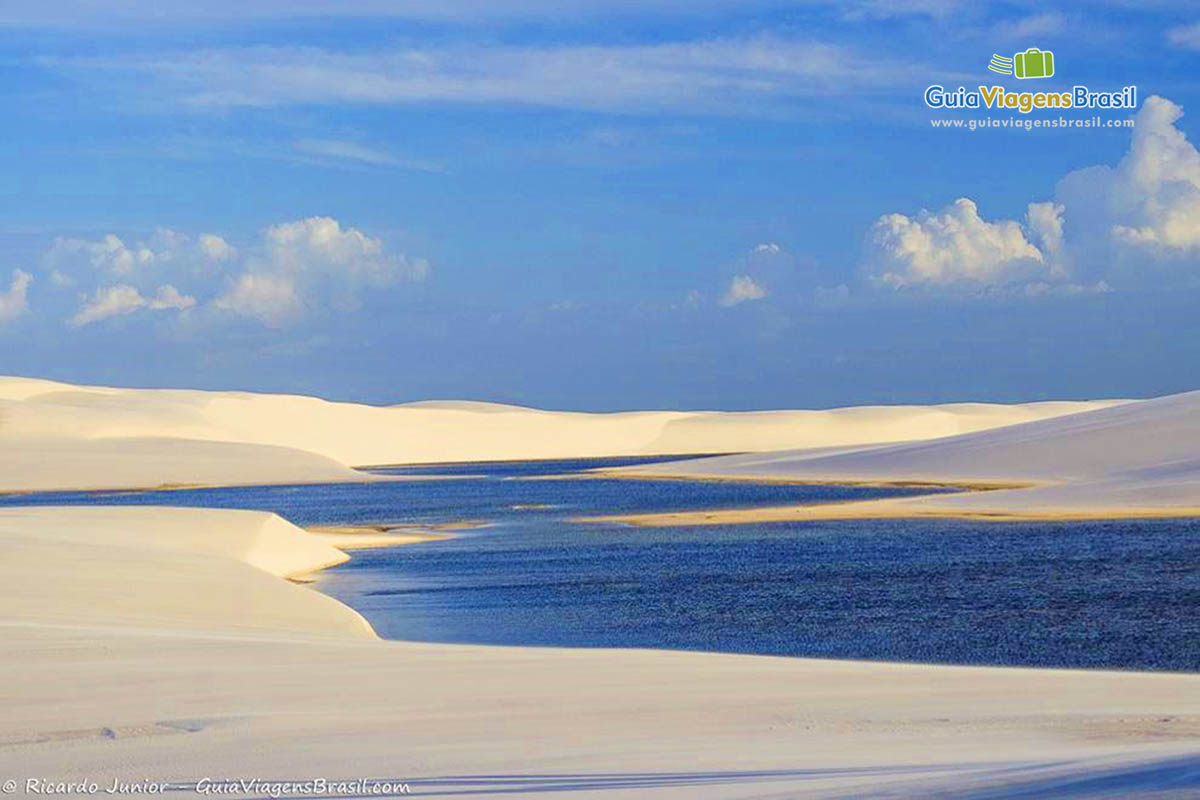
[595, 205]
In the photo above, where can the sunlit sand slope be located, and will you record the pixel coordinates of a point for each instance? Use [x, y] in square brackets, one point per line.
[1130, 459]
[62, 436]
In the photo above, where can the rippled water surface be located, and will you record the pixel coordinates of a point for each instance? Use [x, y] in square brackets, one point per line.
[1122, 594]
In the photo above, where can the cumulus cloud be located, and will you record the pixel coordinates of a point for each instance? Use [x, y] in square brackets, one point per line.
[1137, 224]
[109, 301]
[767, 269]
[168, 297]
[122, 299]
[952, 247]
[1155, 189]
[742, 289]
[321, 245]
[14, 301]
[109, 253]
[1134, 224]
[215, 247]
[272, 299]
[70, 258]
[292, 268]
[1045, 224]
[313, 258]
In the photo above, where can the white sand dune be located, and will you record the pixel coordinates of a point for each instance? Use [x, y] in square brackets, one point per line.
[164, 644]
[167, 569]
[58, 436]
[1130, 459]
[852, 426]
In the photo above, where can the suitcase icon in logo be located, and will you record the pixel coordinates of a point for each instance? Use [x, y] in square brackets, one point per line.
[1033, 63]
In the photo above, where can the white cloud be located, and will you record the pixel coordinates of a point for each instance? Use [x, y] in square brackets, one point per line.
[350, 151]
[1044, 222]
[1186, 36]
[1134, 224]
[108, 254]
[766, 269]
[321, 245]
[118, 278]
[1043, 24]
[312, 258]
[14, 302]
[1041, 288]
[122, 299]
[742, 289]
[168, 297]
[322, 238]
[1155, 190]
[1174, 226]
[271, 299]
[215, 247]
[336, 150]
[956, 246]
[297, 266]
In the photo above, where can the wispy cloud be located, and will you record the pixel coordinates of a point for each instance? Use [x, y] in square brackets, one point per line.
[1043, 24]
[1186, 36]
[313, 151]
[890, 9]
[83, 13]
[13, 301]
[123, 299]
[337, 150]
[755, 74]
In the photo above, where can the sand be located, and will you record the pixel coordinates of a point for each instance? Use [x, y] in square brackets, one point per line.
[167, 644]
[177, 644]
[59, 436]
[1133, 460]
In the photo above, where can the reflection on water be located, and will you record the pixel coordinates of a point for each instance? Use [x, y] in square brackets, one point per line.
[1114, 594]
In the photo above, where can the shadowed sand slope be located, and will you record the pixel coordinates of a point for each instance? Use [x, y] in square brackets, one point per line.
[163, 643]
[61, 436]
